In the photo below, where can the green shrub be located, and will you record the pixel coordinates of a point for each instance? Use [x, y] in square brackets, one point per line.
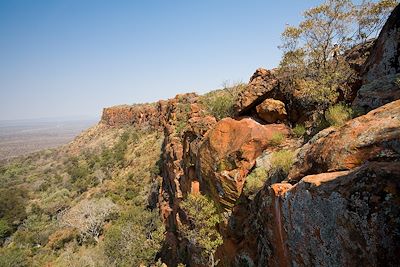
[255, 180]
[135, 238]
[13, 257]
[338, 114]
[220, 103]
[5, 230]
[201, 232]
[12, 205]
[282, 161]
[299, 130]
[277, 139]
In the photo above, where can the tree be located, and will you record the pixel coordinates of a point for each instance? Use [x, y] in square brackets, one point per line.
[313, 62]
[12, 210]
[135, 238]
[88, 217]
[201, 231]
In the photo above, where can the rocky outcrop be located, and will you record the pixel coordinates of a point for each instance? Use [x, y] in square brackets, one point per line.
[262, 85]
[377, 93]
[344, 218]
[272, 111]
[381, 79]
[229, 152]
[143, 114]
[385, 55]
[374, 136]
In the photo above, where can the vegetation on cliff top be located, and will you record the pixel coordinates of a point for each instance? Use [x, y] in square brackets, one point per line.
[314, 62]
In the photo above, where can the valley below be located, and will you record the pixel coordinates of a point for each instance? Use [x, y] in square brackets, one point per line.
[21, 137]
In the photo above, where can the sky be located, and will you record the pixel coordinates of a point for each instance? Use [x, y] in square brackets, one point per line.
[71, 58]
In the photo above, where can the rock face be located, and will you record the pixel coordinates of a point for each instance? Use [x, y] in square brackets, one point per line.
[228, 153]
[374, 136]
[128, 115]
[339, 205]
[346, 218]
[263, 84]
[385, 55]
[271, 111]
[381, 79]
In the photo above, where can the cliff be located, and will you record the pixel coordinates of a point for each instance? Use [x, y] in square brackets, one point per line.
[337, 204]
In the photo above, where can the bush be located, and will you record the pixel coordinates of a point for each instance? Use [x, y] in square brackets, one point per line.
[13, 257]
[277, 139]
[12, 205]
[135, 238]
[89, 217]
[220, 103]
[5, 230]
[201, 232]
[255, 180]
[299, 130]
[282, 161]
[338, 114]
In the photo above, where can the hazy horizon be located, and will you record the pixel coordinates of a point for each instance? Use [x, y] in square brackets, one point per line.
[73, 58]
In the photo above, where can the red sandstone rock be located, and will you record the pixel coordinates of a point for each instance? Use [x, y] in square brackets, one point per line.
[263, 84]
[346, 218]
[272, 111]
[139, 115]
[229, 152]
[374, 136]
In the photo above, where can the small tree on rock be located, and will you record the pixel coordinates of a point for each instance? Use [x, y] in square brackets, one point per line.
[201, 232]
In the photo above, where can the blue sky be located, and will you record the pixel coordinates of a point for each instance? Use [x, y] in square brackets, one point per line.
[71, 58]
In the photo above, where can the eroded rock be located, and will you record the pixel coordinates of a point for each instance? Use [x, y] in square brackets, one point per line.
[271, 111]
[263, 84]
[374, 136]
[346, 218]
[381, 83]
[229, 151]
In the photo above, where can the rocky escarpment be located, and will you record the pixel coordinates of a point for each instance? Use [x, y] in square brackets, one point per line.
[342, 218]
[129, 115]
[339, 204]
[228, 153]
[266, 97]
[343, 208]
[374, 136]
[381, 78]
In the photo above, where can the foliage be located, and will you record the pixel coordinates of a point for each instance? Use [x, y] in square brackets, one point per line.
[34, 231]
[220, 103]
[88, 217]
[338, 114]
[13, 257]
[282, 161]
[5, 230]
[12, 205]
[182, 116]
[201, 231]
[43, 194]
[135, 238]
[255, 180]
[314, 52]
[277, 139]
[299, 130]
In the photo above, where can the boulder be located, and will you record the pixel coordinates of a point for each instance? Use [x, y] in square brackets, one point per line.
[229, 152]
[345, 218]
[263, 84]
[381, 79]
[374, 136]
[271, 111]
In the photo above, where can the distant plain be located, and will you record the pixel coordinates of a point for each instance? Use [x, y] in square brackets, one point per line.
[22, 137]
